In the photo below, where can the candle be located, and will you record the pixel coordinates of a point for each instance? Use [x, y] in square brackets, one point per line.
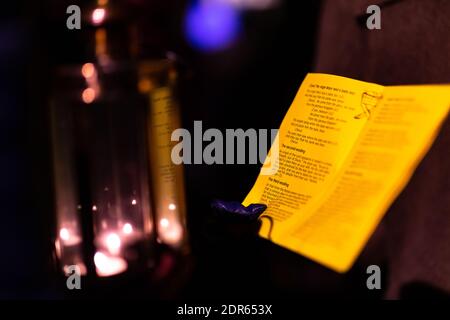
[114, 240]
[100, 161]
[69, 237]
[107, 265]
[127, 229]
[170, 231]
[113, 243]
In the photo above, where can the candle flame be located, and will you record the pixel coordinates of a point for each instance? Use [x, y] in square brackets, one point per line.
[164, 223]
[127, 228]
[98, 15]
[88, 70]
[64, 234]
[113, 243]
[170, 232]
[108, 266]
[88, 95]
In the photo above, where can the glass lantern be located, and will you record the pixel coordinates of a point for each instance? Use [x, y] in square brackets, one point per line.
[101, 175]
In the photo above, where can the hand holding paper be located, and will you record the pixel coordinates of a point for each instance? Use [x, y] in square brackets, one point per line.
[346, 150]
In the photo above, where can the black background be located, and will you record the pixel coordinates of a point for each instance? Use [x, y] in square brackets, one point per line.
[249, 85]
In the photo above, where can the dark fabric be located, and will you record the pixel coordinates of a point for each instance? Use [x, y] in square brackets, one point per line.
[412, 47]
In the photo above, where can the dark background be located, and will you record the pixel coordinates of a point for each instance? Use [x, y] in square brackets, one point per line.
[248, 85]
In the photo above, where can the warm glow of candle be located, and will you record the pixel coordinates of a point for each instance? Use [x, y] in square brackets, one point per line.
[127, 228]
[172, 206]
[68, 238]
[113, 243]
[88, 70]
[164, 223]
[88, 95]
[170, 232]
[58, 248]
[145, 85]
[98, 15]
[80, 269]
[64, 234]
[108, 266]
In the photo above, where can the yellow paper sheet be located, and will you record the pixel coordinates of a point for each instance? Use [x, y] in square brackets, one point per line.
[346, 148]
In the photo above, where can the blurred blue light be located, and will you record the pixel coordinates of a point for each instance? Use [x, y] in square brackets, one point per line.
[212, 26]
